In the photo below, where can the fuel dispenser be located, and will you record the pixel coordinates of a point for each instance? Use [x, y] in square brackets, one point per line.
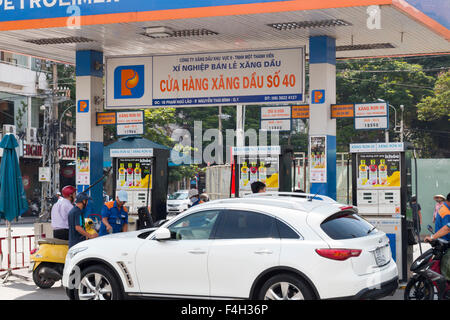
[381, 188]
[143, 174]
[271, 165]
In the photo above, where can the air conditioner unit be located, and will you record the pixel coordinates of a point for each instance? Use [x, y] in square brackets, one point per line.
[8, 128]
[32, 135]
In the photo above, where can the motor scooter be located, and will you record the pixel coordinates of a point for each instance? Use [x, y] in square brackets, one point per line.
[427, 274]
[47, 262]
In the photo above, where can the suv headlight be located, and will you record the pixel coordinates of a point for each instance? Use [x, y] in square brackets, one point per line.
[73, 252]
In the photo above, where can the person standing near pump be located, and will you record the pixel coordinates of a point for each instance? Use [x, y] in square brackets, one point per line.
[77, 230]
[115, 215]
[60, 213]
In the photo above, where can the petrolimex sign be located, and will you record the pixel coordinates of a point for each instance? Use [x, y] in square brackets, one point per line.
[46, 9]
[251, 77]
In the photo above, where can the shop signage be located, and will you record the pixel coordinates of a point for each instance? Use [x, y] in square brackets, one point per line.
[371, 123]
[32, 151]
[67, 152]
[300, 112]
[130, 129]
[276, 125]
[270, 113]
[131, 153]
[342, 111]
[204, 79]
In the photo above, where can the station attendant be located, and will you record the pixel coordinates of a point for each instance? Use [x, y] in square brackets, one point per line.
[115, 215]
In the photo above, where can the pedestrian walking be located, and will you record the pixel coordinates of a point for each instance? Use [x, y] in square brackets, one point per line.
[439, 198]
[77, 229]
[115, 215]
[60, 213]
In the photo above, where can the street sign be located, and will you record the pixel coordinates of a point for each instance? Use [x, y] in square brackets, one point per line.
[370, 123]
[300, 112]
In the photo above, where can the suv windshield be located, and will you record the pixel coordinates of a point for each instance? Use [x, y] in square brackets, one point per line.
[178, 196]
[346, 225]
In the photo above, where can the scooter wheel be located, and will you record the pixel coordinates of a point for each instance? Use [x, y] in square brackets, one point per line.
[419, 288]
[41, 282]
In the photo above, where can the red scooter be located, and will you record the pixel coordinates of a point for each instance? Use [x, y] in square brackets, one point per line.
[428, 277]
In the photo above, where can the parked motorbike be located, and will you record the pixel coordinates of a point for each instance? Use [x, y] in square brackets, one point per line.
[47, 262]
[427, 274]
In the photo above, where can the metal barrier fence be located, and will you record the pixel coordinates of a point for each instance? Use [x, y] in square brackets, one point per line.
[19, 257]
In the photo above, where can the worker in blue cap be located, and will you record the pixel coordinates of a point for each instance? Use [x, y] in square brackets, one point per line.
[115, 215]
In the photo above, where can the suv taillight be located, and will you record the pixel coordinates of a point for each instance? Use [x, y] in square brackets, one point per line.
[338, 254]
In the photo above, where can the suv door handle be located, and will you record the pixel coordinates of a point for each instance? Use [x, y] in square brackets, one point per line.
[197, 251]
[265, 251]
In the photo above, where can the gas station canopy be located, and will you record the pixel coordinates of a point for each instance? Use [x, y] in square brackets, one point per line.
[56, 29]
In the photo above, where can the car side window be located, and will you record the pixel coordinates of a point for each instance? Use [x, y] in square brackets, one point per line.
[196, 226]
[285, 231]
[238, 224]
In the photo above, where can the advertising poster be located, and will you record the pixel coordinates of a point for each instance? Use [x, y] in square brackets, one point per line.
[318, 159]
[253, 168]
[133, 174]
[378, 170]
[83, 176]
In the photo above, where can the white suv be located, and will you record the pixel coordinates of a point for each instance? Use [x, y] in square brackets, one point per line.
[279, 246]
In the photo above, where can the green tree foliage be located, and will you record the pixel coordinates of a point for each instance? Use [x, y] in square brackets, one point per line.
[437, 106]
[396, 81]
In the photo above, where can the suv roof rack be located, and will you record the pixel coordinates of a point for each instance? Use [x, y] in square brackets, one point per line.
[273, 200]
[296, 195]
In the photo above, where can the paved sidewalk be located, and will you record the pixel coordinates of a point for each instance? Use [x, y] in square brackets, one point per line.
[18, 289]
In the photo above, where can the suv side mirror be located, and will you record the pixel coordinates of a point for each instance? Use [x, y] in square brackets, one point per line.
[162, 234]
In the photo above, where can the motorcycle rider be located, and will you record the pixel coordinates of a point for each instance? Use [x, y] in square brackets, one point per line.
[443, 231]
[60, 213]
[442, 222]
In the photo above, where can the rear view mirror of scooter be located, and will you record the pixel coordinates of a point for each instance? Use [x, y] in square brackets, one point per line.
[430, 228]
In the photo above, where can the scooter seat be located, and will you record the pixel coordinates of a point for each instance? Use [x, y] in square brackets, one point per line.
[53, 241]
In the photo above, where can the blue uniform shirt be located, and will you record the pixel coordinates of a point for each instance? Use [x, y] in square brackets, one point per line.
[443, 219]
[116, 217]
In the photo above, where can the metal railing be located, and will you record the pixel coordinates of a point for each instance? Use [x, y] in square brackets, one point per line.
[19, 257]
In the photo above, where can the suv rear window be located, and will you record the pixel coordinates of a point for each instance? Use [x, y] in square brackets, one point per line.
[346, 225]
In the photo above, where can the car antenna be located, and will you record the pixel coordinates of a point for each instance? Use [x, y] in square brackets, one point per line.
[311, 199]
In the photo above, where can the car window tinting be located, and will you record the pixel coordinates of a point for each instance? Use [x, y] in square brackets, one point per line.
[346, 225]
[196, 226]
[237, 224]
[285, 231]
